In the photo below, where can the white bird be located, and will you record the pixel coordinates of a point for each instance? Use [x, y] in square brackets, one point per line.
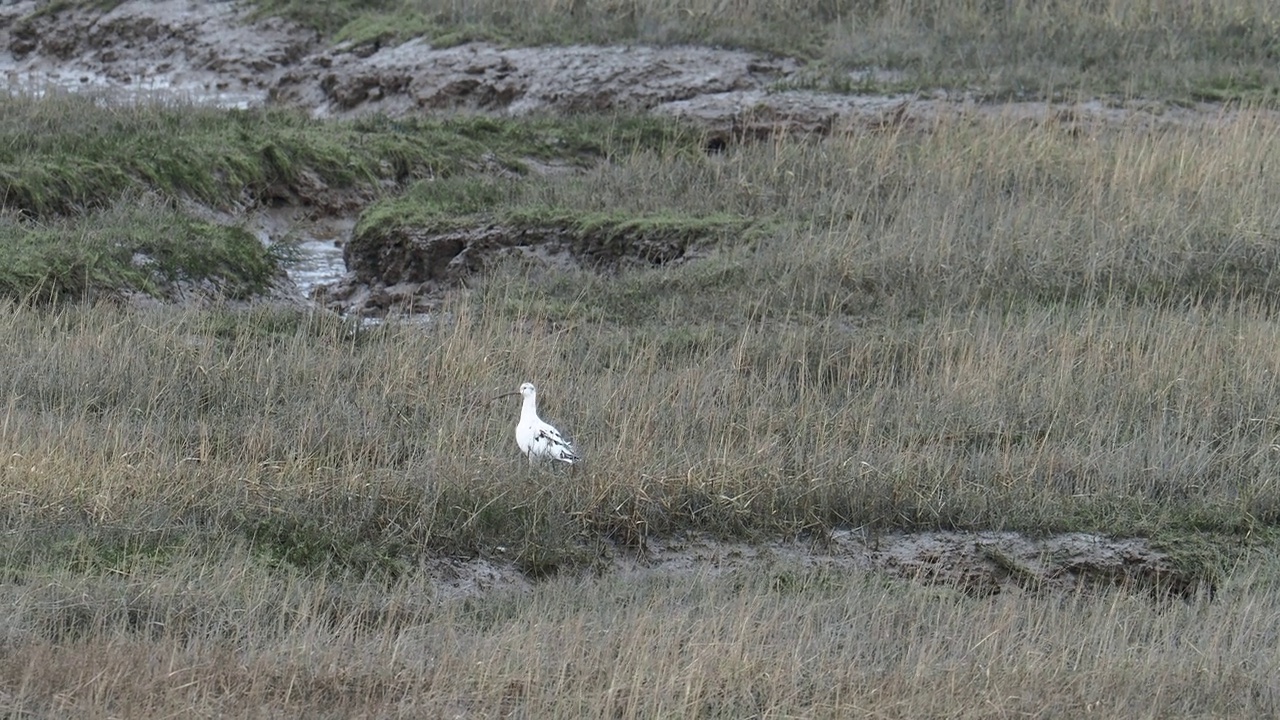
[539, 440]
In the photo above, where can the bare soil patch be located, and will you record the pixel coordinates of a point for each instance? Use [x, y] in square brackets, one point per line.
[215, 52]
[975, 563]
[406, 271]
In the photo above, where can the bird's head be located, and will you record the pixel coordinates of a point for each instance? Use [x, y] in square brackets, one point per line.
[527, 390]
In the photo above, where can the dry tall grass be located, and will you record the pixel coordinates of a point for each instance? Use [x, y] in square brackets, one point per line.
[993, 324]
[230, 638]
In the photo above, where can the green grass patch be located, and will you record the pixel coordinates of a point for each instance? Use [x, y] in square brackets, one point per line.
[64, 154]
[438, 207]
[141, 246]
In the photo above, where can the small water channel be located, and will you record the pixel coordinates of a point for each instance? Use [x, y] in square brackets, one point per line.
[315, 242]
[319, 263]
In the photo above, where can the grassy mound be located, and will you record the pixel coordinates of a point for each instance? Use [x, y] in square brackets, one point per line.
[96, 199]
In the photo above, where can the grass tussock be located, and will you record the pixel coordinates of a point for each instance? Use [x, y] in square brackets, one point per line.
[1206, 49]
[139, 244]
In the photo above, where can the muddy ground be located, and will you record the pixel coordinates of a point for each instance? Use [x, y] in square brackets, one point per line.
[978, 564]
[214, 52]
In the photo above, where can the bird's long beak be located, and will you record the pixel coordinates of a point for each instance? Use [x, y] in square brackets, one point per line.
[503, 395]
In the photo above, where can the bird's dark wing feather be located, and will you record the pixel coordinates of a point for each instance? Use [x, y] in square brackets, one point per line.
[563, 448]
